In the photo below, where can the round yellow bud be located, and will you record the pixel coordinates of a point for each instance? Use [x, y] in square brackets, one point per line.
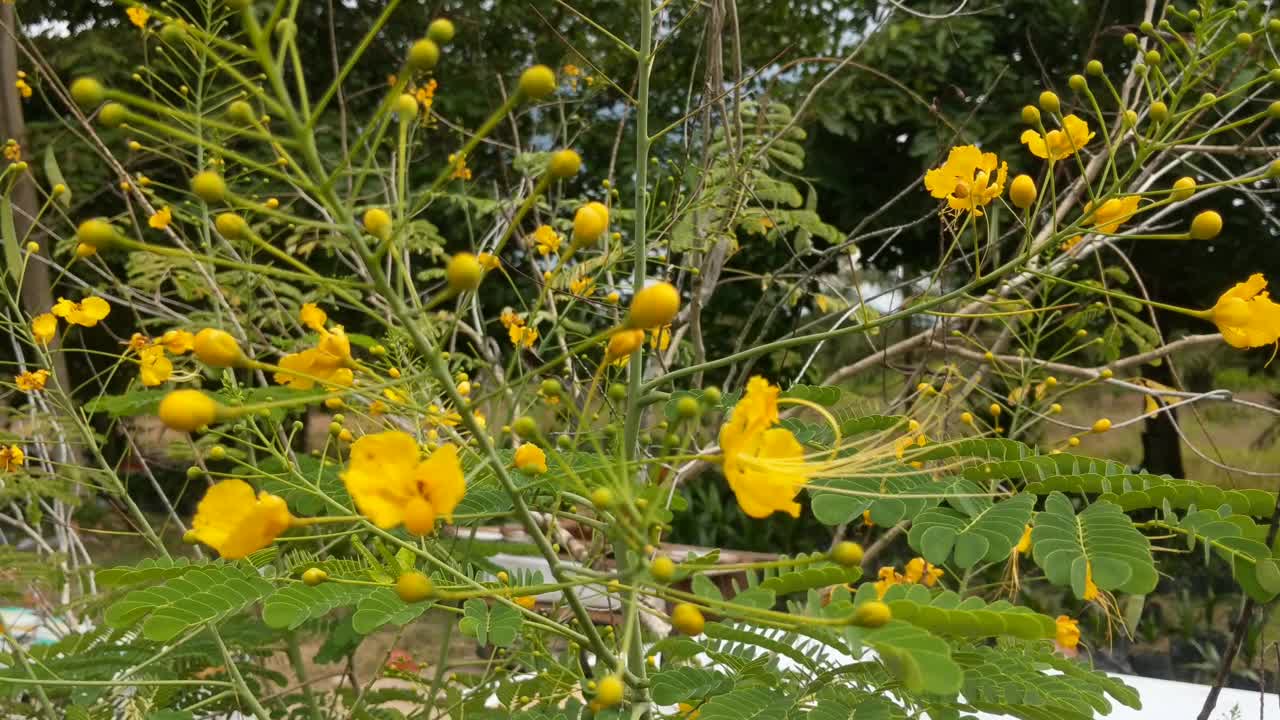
[84, 251]
[1152, 57]
[240, 112]
[995, 410]
[872, 614]
[847, 554]
[217, 348]
[1273, 110]
[1074, 441]
[406, 107]
[87, 92]
[1106, 374]
[1130, 40]
[1206, 225]
[377, 222]
[112, 114]
[609, 691]
[503, 577]
[96, 233]
[209, 186]
[1101, 425]
[1130, 118]
[1051, 381]
[187, 410]
[623, 343]
[602, 497]
[413, 586]
[419, 517]
[1030, 114]
[1049, 102]
[654, 306]
[966, 418]
[314, 576]
[424, 55]
[59, 189]
[33, 247]
[441, 31]
[1055, 408]
[662, 569]
[564, 164]
[537, 82]
[231, 226]
[1183, 188]
[1077, 83]
[589, 223]
[1094, 68]
[1159, 112]
[1244, 40]
[1022, 192]
[464, 272]
[688, 619]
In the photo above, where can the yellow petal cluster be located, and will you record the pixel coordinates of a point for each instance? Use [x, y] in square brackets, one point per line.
[1246, 315]
[234, 521]
[1059, 144]
[391, 486]
[968, 180]
[764, 465]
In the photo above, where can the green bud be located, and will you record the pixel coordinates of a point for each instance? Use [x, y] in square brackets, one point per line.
[687, 407]
[1159, 111]
[525, 427]
[1152, 57]
[1077, 83]
[711, 396]
[194, 472]
[1130, 40]
[1094, 68]
[217, 452]
[564, 442]
[1244, 40]
[617, 392]
[551, 388]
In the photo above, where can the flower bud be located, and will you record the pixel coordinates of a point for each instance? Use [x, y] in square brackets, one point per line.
[1146, 27]
[872, 614]
[1101, 425]
[240, 113]
[1022, 192]
[1159, 112]
[1077, 83]
[314, 576]
[688, 619]
[1152, 57]
[1130, 118]
[216, 348]
[1030, 114]
[209, 186]
[1206, 225]
[1130, 40]
[537, 82]
[1244, 40]
[187, 410]
[424, 55]
[564, 164]
[88, 93]
[1183, 188]
[525, 427]
[1273, 110]
[589, 223]
[1049, 102]
[113, 114]
[413, 586]
[654, 306]
[377, 222]
[96, 233]
[847, 554]
[441, 31]
[406, 107]
[231, 226]
[1094, 68]
[464, 272]
[623, 343]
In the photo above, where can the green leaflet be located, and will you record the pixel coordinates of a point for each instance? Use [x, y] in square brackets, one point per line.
[53, 174]
[945, 613]
[919, 659]
[292, 605]
[1101, 539]
[1238, 540]
[687, 684]
[1012, 459]
[997, 679]
[384, 606]
[498, 624]
[988, 536]
[747, 704]
[813, 577]
[201, 595]
[1139, 491]
[834, 508]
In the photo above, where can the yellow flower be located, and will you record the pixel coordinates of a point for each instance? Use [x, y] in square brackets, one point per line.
[391, 486]
[764, 465]
[531, 459]
[920, 571]
[44, 327]
[1059, 144]
[582, 286]
[138, 341]
[32, 381]
[86, 313]
[138, 16]
[888, 578]
[1024, 543]
[1068, 632]
[155, 368]
[1111, 214]
[522, 336]
[1090, 589]
[329, 361]
[178, 342]
[660, 338]
[547, 240]
[965, 179]
[11, 458]
[312, 316]
[235, 522]
[12, 151]
[161, 219]
[459, 165]
[1245, 315]
[23, 88]
[489, 261]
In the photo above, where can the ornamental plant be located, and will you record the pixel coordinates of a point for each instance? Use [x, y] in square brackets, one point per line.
[535, 357]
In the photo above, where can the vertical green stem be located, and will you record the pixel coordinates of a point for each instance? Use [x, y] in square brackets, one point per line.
[300, 669]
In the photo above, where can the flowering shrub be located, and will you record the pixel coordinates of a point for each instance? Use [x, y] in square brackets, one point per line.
[550, 371]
